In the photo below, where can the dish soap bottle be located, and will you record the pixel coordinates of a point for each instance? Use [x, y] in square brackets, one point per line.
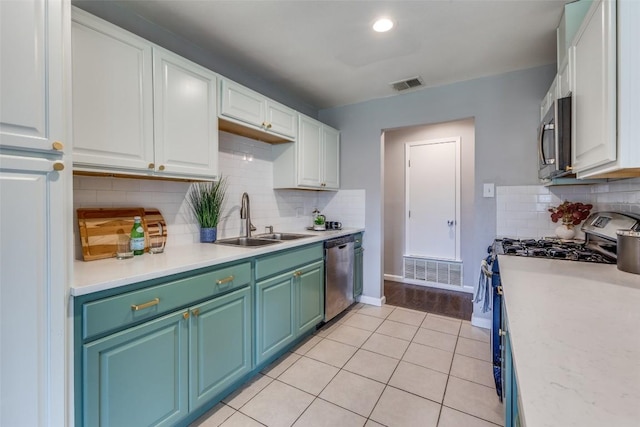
[137, 236]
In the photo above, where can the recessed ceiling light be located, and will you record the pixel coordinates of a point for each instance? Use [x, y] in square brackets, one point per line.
[383, 25]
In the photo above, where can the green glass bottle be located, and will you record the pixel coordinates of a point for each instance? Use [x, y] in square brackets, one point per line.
[137, 236]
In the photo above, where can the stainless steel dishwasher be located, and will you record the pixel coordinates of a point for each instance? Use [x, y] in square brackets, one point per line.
[338, 285]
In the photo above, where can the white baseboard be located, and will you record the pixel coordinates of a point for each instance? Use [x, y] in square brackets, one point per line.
[372, 300]
[481, 322]
[393, 278]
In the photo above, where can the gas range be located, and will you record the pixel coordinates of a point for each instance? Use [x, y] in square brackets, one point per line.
[552, 248]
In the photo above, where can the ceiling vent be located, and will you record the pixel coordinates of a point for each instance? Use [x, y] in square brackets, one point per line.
[411, 83]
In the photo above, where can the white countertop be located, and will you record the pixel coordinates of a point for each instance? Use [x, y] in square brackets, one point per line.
[575, 334]
[100, 275]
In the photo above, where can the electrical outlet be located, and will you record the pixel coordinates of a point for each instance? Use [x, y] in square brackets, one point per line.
[489, 190]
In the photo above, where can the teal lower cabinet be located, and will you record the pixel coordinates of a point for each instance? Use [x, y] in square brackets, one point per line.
[510, 384]
[310, 297]
[358, 263]
[138, 377]
[220, 353]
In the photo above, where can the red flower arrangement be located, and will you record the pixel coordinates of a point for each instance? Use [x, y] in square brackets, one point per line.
[570, 213]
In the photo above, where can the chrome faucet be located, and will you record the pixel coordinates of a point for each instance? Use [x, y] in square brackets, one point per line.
[245, 213]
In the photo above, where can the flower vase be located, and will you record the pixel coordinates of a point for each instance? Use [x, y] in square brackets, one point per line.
[208, 235]
[565, 231]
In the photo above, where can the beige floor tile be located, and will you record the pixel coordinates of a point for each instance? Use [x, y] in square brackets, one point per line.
[306, 345]
[214, 417]
[278, 405]
[280, 365]
[475, 333]
[452, 418]
[410, 317]
[361, 321]
[373, 310]
[472, 369]
[349, 335]
[474, 399]
[248, 390]
[398, 408]
[418, 380]
[372, 365]
[309, 375]
[327, 328]
[353, 392]
[355, 307]
[345, 316]
[472, 348]
[397, 330]
[436, 339]
[324, 414]
[429, 357]
[371, 423]
[386, 345]
[240, 420]
[441, 324]
[332, 352]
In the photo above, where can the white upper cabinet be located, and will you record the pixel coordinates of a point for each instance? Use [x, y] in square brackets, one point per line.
[112, 96]
[31, 76]
[248, 108]
[594, 88]
[139, 109]
[185, 119]
[564, 82]
[312, 162]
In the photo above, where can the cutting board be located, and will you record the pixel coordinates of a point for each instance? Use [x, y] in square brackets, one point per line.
[100, 227]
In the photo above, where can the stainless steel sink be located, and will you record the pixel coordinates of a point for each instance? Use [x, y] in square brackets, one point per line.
[282, 236]
[251, 242]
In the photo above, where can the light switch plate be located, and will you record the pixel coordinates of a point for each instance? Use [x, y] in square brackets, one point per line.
[489, 190]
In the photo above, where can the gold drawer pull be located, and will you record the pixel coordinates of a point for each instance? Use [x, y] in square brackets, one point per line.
[225, 280]
[196, 312]
[57, 145]
[185, 315]
[297, 274]
[151, 303]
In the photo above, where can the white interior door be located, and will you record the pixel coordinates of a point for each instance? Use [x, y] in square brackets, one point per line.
[432, 199]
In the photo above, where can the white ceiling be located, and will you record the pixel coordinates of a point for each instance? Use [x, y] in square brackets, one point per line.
[326, 53]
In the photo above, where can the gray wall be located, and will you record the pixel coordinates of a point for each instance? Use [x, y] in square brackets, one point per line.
[506, 112]
[116, 14]
[394, 190]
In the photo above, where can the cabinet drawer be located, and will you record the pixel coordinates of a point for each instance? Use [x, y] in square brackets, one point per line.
[286, 260]
[121, 310]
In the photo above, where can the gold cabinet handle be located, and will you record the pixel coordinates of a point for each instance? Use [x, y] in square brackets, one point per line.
[196, 312]
[501, 332]
[58, 166]
[151, 303]
[161, 167]
[225, 280]
[297, 274]
[151, 166]
[57, 145]
[185, 315]
[269, 126]
[499, 289]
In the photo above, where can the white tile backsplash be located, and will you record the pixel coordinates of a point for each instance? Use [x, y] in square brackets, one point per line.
[247, 164]
[520, 216]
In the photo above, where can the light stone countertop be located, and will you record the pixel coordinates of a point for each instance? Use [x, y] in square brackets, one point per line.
[575, 334]
[100, 275]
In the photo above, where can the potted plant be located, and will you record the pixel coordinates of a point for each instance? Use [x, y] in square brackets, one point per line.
[205, 200]
[571, 214]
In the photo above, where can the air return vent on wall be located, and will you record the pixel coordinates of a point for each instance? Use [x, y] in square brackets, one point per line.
[432, 270]
[411, 83]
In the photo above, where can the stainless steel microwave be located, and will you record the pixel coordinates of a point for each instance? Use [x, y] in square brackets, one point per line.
[554, 141]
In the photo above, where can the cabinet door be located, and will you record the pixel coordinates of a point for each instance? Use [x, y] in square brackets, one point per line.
[331, 158]
[185, 117]
[32, 244]
[594, 88]
[310, 296]
[220, 337]
[274, 315]
[112, 95]
[309, 153]
[358, 263]
[564, 79]
[138, 377]
[31, 74]
[282, 120]
[242, 104]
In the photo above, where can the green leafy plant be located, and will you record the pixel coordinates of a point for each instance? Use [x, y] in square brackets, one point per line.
[205, 200]
[570, 213]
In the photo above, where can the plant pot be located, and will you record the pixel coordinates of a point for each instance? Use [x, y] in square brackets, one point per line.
[565, 232]
[208, 235]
